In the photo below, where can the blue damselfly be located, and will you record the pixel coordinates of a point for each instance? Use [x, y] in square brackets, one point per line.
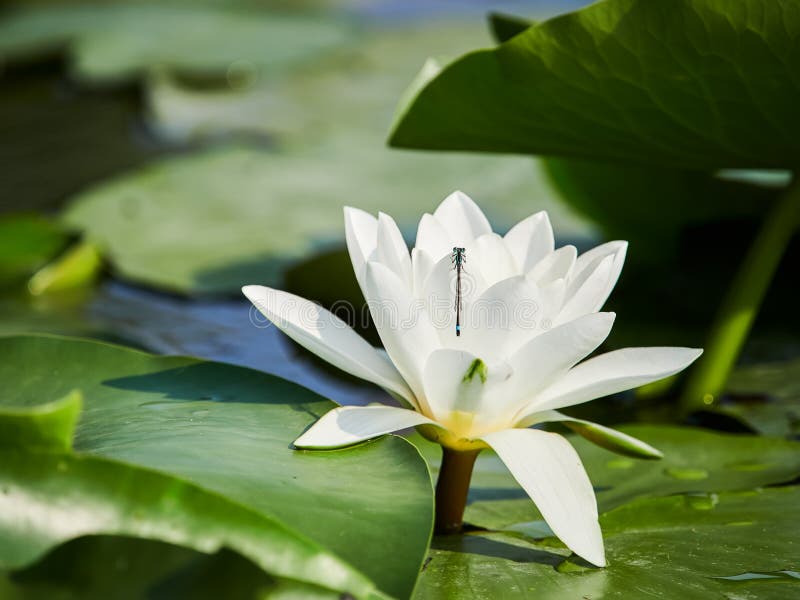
[458, 258]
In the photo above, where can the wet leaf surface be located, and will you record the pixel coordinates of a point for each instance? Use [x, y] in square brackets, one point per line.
[220, 433]
[686, 546]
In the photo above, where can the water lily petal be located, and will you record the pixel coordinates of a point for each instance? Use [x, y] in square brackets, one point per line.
[547, 357]
[361, 233]
[530, 240]
[459, 388]
[614, 372]
[489, 254]
[327, 336]
[552, 295]
[555, 265]
[551, 472]
[402, 322]
[502, 318]
[433, 238]
[348, 425]
[590, 295]
[603, 436]
[588, 262]
[391, 249]
[462, 218]
[421, 267]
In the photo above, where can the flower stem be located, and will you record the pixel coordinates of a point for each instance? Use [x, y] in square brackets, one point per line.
[742, 301]
[452, 488]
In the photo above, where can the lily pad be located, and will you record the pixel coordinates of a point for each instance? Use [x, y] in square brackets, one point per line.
[125, 568]
[210, 222]
[118, 41]
[223, 432]
[709, 85]
[695, 460]
[728, 545]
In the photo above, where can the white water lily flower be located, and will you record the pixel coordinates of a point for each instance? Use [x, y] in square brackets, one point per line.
[529, 317]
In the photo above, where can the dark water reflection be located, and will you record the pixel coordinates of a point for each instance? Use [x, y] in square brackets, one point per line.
[219, 330]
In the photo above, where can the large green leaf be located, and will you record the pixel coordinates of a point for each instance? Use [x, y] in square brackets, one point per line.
[49, 498]
[695, 460]
[692, 83]
[225, 431]
[117, 41]
[124, 568]
[729, 545]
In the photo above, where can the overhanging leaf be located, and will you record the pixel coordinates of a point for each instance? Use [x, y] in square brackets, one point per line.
[698, 84]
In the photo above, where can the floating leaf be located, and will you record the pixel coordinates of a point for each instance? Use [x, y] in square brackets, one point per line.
[224, 435]
[125, 568]
[119, 41]
[695, 460]
[728, 545]
[216, 220]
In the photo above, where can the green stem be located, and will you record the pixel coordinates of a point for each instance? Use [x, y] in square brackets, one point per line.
[741, 304]
[452, 488]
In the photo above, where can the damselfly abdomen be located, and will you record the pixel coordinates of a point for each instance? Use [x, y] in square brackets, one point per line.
[458, 258]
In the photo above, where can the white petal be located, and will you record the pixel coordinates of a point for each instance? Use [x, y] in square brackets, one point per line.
[349, 425]
[459, 388]
[552, 295]
[555, 265]
[392, 250]
[421, 267]
[462, 218]
[551, 472]
[590, 295]
[589, 261]
[433, 238]
[361, 233]
[614, 372]
[402, 322]
[489, 255]
[327, 336]
[605, 437]
[502, 318]
[439, 298]
[547, 357]
[530, 241]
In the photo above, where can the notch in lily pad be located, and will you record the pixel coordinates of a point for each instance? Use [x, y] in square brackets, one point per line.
[48, 426]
